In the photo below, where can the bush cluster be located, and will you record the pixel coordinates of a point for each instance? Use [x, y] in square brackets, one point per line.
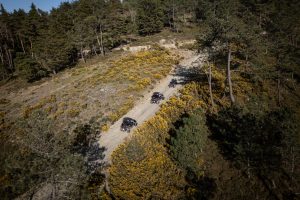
[142, 167]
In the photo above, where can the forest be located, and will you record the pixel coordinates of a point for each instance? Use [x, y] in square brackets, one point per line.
[76, 30]
[231, 131]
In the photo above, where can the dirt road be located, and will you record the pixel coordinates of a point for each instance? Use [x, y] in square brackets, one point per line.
[143, 109]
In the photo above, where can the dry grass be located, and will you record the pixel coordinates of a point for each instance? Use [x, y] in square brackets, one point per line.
[102, 91]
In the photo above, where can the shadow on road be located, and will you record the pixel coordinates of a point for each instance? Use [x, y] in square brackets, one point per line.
[189, 74]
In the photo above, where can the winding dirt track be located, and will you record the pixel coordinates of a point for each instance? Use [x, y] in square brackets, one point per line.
[143, 109]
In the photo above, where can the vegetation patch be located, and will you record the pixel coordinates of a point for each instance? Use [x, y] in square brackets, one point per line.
[45, 101]
[150, 172]
[127, 76]
[254, 140]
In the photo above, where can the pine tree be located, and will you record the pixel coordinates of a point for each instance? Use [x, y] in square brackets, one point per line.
[149, 17]
[115, 24]
[17, 22]
[231, 29]
[7, 43]
[189, 141]
[131, 6]
[32, 26]
[47, 157]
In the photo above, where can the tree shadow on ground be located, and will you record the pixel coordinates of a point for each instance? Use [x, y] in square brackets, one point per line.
[175, 126]
[256, 145]
[248, 139]
[186, 75]
[199, 188]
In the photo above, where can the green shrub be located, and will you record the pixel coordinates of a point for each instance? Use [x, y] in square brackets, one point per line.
[28, 68]
[188, 143]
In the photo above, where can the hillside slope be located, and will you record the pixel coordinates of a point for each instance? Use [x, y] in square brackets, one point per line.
[143, 110]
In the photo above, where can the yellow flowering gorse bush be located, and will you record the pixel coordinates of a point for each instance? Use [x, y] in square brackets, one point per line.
[127, 76]
[141, 167]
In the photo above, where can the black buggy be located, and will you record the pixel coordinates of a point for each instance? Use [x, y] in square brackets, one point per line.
[127, 124]
[157, 97]
[173, 83]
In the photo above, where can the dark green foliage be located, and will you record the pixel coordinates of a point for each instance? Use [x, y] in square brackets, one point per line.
[53, 40]
[254, 142]
[28, 68]
[39, 156]
[188, 143]
[262, 145]
[187, 149]
[227, 24]
[285, 35]
[85, 142]
[202, 187]
[83, 135]
[263, 34]
[149, 17]
[57, 53]
[80, 29]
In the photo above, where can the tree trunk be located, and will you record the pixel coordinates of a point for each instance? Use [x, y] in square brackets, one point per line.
[98, 41]
[31, 48]
[210, 87]
[170, 23]
[173, 16]
[22, 44]
[6, 33]
[132, 15]
[184, 19]
[259, 22]
[1, 55]
[9, 58]
[248, 168]
[293, 82]
[82, 56]
[293, 160]
[13, 42]
[278, 87]
[100, 46]
[229, 76]
[94, 48]
[101, 41]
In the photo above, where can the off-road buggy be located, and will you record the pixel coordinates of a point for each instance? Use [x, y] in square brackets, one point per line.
[157, 97]
[127, 124]
[173, 83]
